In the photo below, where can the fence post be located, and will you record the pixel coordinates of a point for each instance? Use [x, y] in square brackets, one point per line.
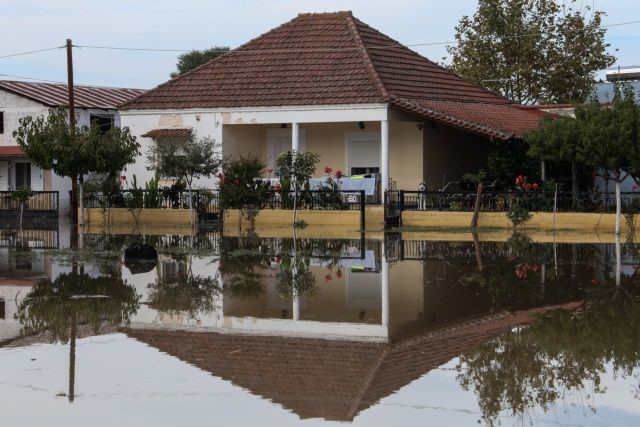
[400, 207]
[363, 223]
[57, 201]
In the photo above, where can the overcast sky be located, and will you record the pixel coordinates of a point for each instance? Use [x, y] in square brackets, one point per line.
[185, 24]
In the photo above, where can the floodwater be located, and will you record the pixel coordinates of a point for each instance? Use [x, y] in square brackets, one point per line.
[281, 331]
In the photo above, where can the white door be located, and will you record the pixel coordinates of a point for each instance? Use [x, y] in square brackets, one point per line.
[37, 178]
[4, 175]
[363, 153]
[279, 141]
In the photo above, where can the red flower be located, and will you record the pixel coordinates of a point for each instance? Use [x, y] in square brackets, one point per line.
[535, 186]
[594, 281]
[123, 177]
[520, 180]
[278, 188]
[270, 170]
[527, 187]
[339, 274]
[327, 170]
[339, 173]
[327, 278]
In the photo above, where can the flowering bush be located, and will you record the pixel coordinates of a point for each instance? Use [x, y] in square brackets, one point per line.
[519, 209]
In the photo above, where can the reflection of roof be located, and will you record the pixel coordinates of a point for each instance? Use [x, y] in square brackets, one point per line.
[57, 94]
[335, 59]
[317, 378]
[168, 133]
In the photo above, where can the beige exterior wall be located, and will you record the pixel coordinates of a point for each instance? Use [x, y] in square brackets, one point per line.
[329, 140]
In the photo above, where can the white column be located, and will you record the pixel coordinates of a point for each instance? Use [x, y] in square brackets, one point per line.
[295, 136]
[384, 157]
[385, 287]
[296, 306]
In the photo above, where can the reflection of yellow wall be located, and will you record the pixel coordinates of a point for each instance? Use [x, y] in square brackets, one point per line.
[406, 293]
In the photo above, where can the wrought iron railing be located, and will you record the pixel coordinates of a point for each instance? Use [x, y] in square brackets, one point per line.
[316, 200]
[41, 201]
[202, 200]
[501, 201]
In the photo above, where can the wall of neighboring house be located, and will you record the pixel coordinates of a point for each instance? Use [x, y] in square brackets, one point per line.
[16, 107]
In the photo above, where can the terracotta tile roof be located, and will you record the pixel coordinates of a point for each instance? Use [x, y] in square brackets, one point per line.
[11, 151]
[56, 95]
[500, 121]
[333, 380]
[334, 59]
[168, 133]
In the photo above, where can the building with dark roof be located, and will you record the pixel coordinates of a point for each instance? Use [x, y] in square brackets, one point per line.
[19, 99]
[331, 84]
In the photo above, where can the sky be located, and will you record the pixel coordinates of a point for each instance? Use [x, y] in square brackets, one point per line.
[27, 25]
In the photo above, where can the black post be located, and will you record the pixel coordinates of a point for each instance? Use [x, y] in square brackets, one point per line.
[363, 223]
[400, 207]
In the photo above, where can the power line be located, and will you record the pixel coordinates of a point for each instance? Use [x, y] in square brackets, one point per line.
[11, 55]
[31, 78]
[380, 47]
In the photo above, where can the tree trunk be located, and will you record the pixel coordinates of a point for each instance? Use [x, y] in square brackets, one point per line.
[476, 206]
[574, 185]
[81, 188]
[618, 205]
[191, 203]
[295, 203]
[74, 199]
[72, 359]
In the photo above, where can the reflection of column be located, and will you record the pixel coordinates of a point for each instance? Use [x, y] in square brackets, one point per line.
[296, 305]
[384, 156]
[385, 287]
[618, 260]
[295, 136]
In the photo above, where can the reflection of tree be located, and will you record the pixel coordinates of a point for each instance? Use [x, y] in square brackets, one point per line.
[188, 294]
[560, 351]
[76, 297]
[243, 265]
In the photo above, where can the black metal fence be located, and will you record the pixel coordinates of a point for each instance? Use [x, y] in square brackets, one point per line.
[501, 201]
[316, 200]
[202, 200]
[39, 201]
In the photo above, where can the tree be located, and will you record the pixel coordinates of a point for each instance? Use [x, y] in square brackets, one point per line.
[557, 140]
[51, 143]
[186, 160]
[195, 58]
[241, 187]
[611, 139]
[294, 170]
[532, 51]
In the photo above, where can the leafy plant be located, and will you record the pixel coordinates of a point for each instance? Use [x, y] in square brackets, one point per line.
[296, 168]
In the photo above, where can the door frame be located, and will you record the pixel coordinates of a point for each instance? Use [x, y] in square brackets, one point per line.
[349, 137]
[275, 133]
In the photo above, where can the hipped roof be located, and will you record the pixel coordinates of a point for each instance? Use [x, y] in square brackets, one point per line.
[336, 59]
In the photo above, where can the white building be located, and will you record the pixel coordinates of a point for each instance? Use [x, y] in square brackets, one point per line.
[20, 99]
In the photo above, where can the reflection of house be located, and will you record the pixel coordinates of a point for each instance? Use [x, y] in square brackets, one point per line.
[20, 99]
[319, 378]
[330, 84]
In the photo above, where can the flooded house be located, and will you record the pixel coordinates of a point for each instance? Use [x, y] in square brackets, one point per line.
[331, 84]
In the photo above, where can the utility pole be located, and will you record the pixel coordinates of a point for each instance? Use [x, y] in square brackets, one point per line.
[72, 124]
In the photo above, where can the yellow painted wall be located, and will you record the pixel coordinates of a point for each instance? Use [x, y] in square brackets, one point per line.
[120, 216]
[588, 222]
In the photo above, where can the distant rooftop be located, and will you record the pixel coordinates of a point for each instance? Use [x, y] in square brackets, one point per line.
[605, 90]
[619, 73]
[56, 94]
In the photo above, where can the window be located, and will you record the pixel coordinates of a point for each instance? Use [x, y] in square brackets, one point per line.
[1, 122]
[103, 121]
[23, 175]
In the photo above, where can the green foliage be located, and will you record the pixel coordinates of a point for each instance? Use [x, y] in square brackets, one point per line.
[53, 306]
[507, 160]
[22, 195]
[194, 58]
[241, 186]
[296, 169]
[189, 294]
[518, 213]
[187, 160]
[532, 51]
